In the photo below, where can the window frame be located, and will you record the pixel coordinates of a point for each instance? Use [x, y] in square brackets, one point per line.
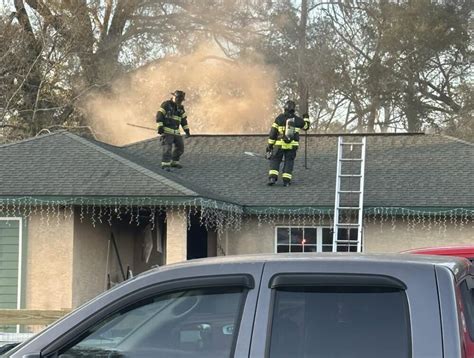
[77, 333]
[319, 236]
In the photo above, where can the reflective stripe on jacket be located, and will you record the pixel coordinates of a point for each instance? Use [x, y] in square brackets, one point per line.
[170, 116]
[277, 131]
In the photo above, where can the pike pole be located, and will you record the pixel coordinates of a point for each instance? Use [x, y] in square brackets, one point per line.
[139, 126]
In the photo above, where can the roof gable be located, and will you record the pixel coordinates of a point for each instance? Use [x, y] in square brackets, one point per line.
[64, 164]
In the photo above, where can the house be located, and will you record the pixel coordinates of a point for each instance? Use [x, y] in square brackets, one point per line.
[77, 215]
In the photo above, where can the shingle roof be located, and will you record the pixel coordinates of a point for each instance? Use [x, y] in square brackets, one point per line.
[401, 170]
[64, 164]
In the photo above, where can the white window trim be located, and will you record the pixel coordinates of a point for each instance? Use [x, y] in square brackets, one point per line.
[319, 234]
[20, 251]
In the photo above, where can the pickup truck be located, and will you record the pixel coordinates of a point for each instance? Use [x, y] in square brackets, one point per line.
[282, 305]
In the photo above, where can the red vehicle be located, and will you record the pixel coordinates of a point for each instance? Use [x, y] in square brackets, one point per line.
[466, 251]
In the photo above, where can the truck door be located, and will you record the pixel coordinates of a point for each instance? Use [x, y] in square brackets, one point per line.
[347, 309]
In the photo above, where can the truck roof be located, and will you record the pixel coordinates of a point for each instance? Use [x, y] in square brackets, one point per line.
[458, 266]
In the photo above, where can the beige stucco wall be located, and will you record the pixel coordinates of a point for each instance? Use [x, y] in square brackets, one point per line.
[176, 237]
[251, 239]
[94, 257]
[390, 237]
[49, 268]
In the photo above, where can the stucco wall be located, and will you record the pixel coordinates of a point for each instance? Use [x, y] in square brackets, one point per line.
[49, 268]
[91, 248]
[386, 238]
[389, 237]
[251, 239]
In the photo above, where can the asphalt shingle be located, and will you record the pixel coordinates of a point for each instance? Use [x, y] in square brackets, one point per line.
[63, 164]
[401, 170]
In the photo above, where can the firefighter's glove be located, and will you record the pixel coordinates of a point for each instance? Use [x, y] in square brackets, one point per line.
[188, 134]
[161, 130]
[269, 151]
[307, 121]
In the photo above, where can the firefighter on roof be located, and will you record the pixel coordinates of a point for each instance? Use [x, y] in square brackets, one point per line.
[169, 117]
[283, 142]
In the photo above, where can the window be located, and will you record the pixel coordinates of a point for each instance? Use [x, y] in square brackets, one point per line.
[340, 321]
[313, 239]
[198, 323]
[467, 295]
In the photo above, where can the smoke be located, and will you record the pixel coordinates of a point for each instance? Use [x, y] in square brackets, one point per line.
[222, 96]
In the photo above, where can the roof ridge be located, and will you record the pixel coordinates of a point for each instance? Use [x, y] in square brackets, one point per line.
[36, 137]
[457, 139]
[330, 135]
[181, 188]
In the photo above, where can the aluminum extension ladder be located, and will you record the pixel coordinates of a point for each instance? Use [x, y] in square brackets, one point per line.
[349, 199]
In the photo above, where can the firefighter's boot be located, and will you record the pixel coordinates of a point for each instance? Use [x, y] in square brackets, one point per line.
[175, 164]
[286, 182]
[166, 166]
[271, 181]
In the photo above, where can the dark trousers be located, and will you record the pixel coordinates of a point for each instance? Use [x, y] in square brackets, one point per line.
[170, 154]
[278, 155]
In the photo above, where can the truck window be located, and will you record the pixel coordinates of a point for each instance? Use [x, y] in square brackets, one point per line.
[197, 322]
[340, 322]
[467, 295]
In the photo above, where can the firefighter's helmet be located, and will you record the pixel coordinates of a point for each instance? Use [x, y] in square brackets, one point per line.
[179, 95]
[290, 106]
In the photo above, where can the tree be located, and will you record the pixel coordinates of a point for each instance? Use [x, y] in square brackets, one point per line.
[72, 49]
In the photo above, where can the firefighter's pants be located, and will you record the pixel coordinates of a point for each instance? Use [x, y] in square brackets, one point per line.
[169, 154]
[278, 155]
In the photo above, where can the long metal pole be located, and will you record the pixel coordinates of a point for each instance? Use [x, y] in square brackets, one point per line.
[139, 126]
[306, 149]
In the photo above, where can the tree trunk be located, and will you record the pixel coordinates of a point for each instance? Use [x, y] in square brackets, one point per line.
[412, 109]
[32, 81]
[302, 85]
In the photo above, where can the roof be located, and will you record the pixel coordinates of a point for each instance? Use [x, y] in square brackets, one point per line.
[402, 170]
[64, 164]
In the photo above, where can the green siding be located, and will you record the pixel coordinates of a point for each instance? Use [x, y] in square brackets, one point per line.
[9, 262]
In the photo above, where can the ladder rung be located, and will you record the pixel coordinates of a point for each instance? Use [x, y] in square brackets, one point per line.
[347, 224]
[352, 143]
[349, 192]
[349, 208]
[347, 242]
[350, 176]
[350, 159]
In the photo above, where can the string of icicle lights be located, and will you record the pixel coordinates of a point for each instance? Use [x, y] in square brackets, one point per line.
[223, 217]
